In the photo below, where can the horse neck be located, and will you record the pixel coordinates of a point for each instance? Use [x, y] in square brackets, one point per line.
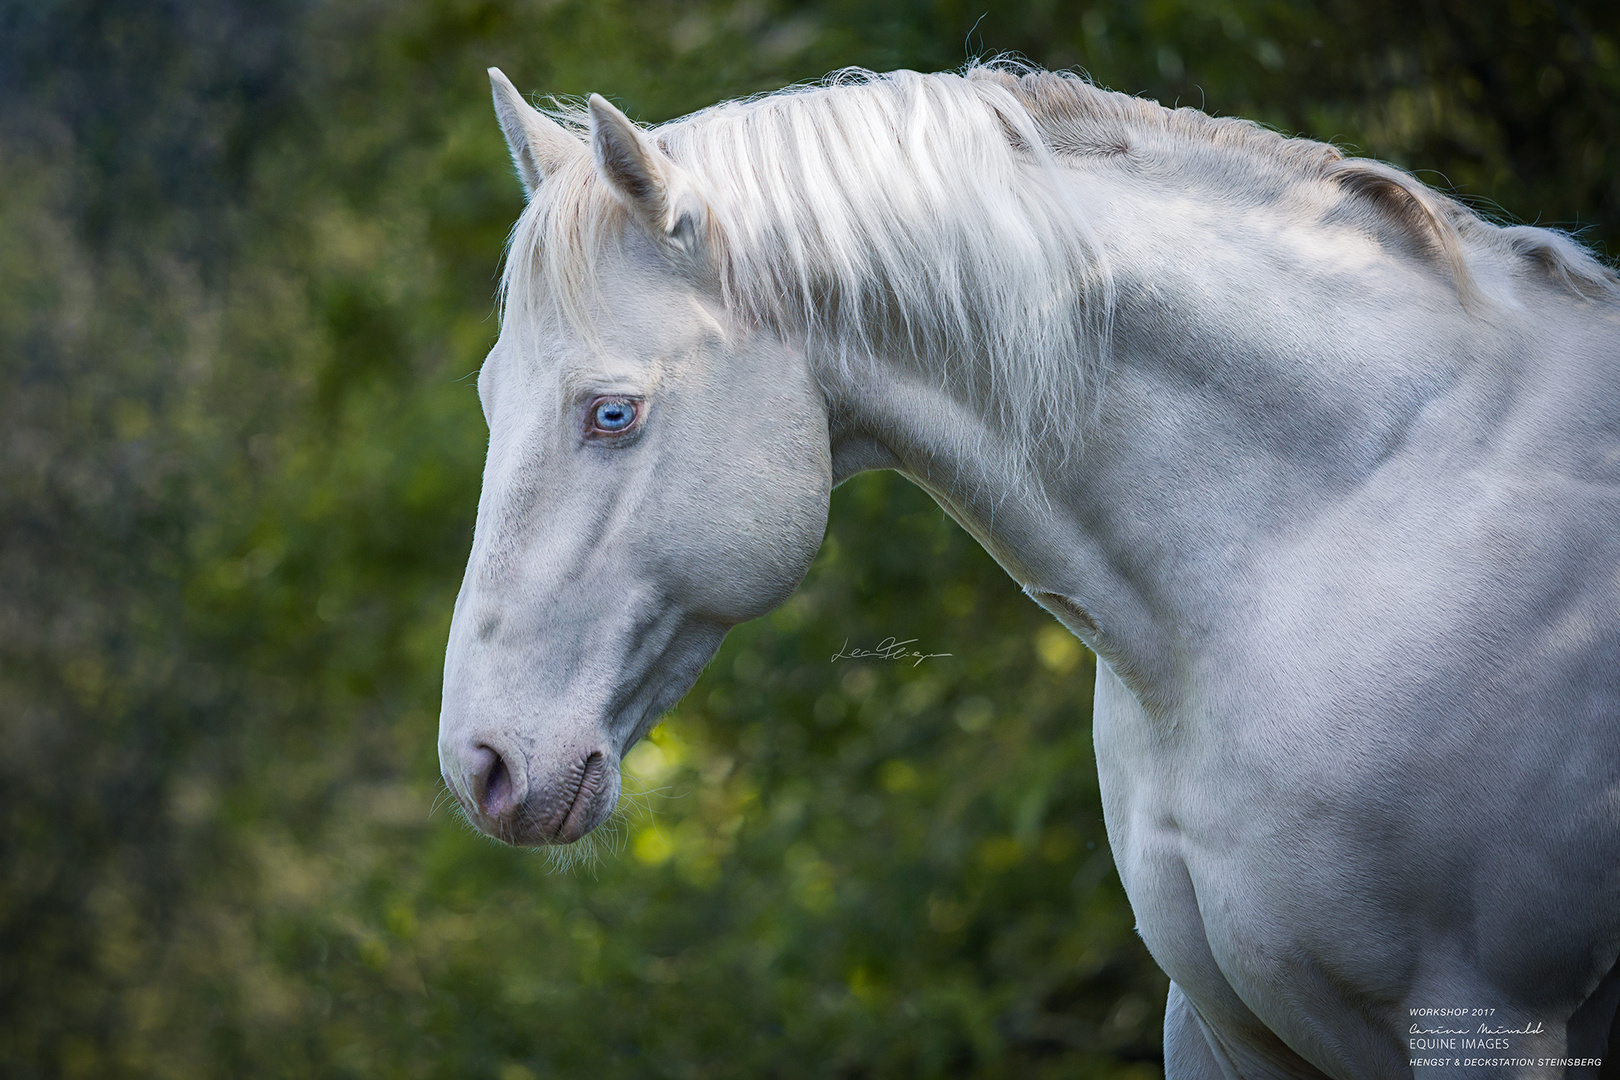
[1253, 382]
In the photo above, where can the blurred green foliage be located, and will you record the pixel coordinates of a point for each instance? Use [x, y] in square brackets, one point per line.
[247, 258]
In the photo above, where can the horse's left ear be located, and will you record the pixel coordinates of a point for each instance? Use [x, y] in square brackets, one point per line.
[657, 190]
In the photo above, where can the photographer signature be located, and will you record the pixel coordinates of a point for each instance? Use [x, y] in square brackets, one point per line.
[887, 649]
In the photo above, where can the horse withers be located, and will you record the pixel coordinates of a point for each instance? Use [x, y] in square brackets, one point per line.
[1325, 468]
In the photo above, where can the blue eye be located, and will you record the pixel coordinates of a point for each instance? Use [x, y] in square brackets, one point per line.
[612, 415]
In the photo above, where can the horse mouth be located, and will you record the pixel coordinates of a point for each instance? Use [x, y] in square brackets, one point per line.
[581, 816]
[560, 812]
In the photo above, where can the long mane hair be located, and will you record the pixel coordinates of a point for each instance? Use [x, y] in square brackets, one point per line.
[922, 218]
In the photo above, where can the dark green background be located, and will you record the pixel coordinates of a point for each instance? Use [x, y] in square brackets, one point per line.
[248, 254]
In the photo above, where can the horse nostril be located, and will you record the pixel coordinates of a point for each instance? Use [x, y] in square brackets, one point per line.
[492, 783]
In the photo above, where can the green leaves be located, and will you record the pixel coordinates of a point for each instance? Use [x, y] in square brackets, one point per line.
[247, 259]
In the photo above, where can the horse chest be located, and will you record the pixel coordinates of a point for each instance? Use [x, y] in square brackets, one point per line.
[1227, 916]
[1151, 792]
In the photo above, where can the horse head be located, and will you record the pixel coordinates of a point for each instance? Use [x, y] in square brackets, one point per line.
[658, 472]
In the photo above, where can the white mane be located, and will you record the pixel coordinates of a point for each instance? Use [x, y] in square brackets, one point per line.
[896, 215]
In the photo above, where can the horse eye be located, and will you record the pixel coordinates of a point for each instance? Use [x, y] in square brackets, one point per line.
[613, 415]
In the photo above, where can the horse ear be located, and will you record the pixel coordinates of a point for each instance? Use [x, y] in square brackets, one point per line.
[540, 146]
[643, 176]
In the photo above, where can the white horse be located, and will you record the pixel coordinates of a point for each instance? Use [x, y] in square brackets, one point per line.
[1324, 468]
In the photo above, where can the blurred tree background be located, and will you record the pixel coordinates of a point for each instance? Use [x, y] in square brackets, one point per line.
[248, 253]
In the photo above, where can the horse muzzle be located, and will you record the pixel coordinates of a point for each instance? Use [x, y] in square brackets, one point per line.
[522, 803]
